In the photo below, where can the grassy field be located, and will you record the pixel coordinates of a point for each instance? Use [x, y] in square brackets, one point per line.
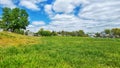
[62, 52]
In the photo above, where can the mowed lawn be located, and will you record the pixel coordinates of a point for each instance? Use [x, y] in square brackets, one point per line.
[63, 52]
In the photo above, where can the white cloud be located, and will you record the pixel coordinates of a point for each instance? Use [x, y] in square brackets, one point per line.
[35, 26]
[31, 4]
[93, 16]
[63, 6]
[38, 23]
[7, 3]
[65, 22]
[78, 2]
[103, 10]
[67, 6]
[48, 10]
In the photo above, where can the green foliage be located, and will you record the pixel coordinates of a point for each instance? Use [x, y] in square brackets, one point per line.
[73, 33]
[97, 34]
[116, 32]
[1, 24]
[107, 31]
[13, 19]
[5, 18]
[54, 33]
[63, 52]
[43, 32]
[81, 33]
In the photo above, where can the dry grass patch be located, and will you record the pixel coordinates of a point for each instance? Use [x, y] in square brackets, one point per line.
[12, 39]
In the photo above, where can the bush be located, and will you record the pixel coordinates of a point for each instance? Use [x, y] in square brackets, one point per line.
[43, 32]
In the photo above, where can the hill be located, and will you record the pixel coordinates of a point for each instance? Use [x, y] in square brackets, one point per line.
[12, 39]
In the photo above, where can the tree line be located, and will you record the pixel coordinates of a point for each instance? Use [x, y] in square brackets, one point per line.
[109, 33]
[43, 32]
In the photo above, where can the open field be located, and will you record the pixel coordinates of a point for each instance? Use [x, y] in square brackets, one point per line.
[62, 52]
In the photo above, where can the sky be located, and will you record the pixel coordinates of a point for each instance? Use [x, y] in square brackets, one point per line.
[69, 15]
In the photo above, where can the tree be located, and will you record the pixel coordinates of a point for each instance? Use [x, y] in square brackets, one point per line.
[43, 32]
[5, 18]
[81, 33]
[107, 31]
[54, 33]
[13, 19]
[40, 32]
[116, 32]
[97, 34]
[1, 24]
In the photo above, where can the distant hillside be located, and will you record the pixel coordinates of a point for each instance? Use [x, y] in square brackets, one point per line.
[9, 39]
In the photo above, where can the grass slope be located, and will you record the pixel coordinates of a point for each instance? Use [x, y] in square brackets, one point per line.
[63, 52]
[12, 39]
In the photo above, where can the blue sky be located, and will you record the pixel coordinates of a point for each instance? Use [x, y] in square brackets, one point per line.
[69, 15]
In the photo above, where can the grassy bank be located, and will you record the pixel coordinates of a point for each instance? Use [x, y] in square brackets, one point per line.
[12, 39]
[63, 52]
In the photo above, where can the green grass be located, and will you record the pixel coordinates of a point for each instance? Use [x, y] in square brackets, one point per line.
[63, 52]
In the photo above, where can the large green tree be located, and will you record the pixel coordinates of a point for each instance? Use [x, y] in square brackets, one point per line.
[13, 19]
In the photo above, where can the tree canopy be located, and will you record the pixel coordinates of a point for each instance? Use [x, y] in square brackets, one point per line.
[13, 19]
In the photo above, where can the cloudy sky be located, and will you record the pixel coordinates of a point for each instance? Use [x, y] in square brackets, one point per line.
[69, 15]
